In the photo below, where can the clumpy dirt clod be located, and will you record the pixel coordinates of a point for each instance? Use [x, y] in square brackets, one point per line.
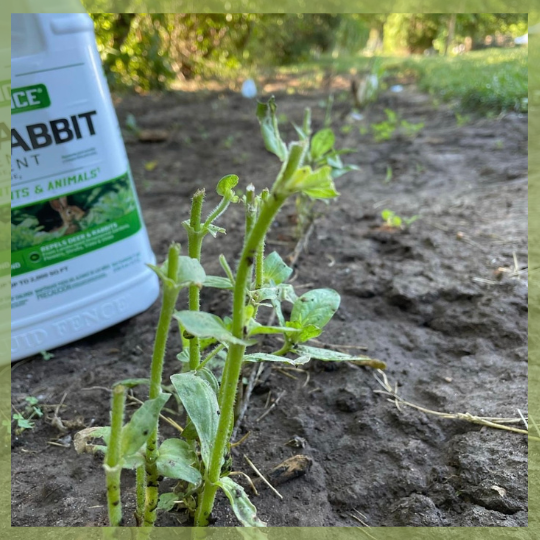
[440, 302]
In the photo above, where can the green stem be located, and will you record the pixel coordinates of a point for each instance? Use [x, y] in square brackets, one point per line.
[170, 296]
[141, 487]
[259, 262]
[113, 465]
[195, 238]
[226, 268]
[211, 355]
[251, 209]
[259, 266]
[287, 346]
[218, 211]
[233, 365]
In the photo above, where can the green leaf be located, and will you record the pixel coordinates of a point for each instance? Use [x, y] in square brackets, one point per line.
[200, 403]
[225, 187]
[183, 356]
[205, 374]
[241, 505]
[205, 325]
[190, 432]
[317, 184]
[301, 133]
[262, 357]
[167, 501]
[254, 328]
[190, 272]
[275, 269]
[218, 282]
[283, 292]
[315, 307]
[175, 460]
[133, 461]
[266, 114]
[336, 173]
[276, 295]
[412, 219]
[143, 422]
[327, 355]
[387, 214]
[22, 422]
[322, 142]
[161, 274]
[214, 230]
[300, 334]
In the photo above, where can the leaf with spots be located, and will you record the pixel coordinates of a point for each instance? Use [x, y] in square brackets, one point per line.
[176, 459]
[315, 308]
[206, 325]
[275, 269]
[242, 507]
[138, 430]
[200, 402]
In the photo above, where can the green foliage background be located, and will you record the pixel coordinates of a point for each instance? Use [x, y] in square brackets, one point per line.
[150, 51]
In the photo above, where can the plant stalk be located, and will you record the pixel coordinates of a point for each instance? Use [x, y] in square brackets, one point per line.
[195, 239]
[113, 465]
[170, 295]
[233, 365]
[141, 488]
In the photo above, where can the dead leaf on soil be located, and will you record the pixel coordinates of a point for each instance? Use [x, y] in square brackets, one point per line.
[294, 467]
[153, 135]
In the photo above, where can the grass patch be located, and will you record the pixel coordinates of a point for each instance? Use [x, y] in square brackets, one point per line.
[489, 81]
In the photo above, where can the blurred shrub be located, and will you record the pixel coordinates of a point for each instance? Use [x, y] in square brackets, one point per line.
[492, 80]
[148, 52]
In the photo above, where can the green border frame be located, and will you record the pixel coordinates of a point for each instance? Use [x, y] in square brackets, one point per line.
[296, 6]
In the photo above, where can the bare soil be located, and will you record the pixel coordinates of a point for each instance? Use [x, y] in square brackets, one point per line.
[428, 300]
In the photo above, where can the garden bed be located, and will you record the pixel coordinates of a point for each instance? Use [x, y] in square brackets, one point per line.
[440, 302]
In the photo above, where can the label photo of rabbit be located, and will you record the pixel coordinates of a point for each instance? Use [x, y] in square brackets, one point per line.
[70, 215]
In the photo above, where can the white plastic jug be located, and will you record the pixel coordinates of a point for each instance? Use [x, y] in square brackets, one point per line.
[79, 246]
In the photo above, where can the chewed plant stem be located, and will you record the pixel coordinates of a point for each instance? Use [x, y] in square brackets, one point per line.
[113, 466]
[170, 295]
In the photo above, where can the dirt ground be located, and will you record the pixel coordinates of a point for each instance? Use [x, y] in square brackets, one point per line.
[428, 301]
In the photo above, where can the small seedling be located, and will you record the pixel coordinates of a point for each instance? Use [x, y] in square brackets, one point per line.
[363, 130]
[131, 124]
[31, 408]
[200, 460]
[46, 355]
[22, 423]
[384, 131]
[409, 129]
[24, 420]
[462, 119]
[393, 221]
[228, 143]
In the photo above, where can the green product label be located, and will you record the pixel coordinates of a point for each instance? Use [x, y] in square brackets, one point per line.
[28, 98]
[56, 230]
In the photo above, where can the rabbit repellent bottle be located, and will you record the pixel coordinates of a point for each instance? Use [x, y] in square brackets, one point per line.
[79, 247]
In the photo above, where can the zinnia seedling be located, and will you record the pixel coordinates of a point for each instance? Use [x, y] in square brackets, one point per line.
[200, 459]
